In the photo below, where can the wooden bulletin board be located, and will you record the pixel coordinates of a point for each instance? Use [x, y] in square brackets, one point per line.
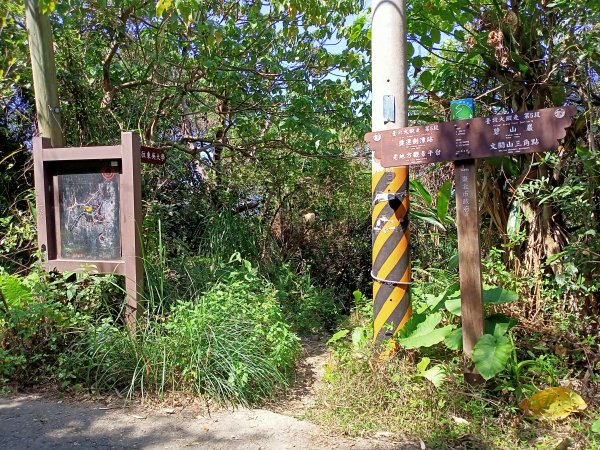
[89, 211]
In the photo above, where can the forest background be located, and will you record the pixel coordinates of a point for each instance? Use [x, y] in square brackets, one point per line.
[259, 223]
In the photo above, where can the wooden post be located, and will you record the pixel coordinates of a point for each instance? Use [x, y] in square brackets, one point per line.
[391, 260]
[469, 252]
[131, 227]
[43, 69]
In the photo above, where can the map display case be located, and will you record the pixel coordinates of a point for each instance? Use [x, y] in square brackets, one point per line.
[89, 213]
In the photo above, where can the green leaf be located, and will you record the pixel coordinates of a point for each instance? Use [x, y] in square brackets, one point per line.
[423, 193]
[435, 374]
[426, 78]
[491, 354]
[425, 334]
[443, 200]
[162, 6]
[497, 296]
[453, 306]
[359, 337]
[422, 365]
[427, 218]
[596, 425]
[498, 324]
[337, 336]
[454, 340]
[15, 292]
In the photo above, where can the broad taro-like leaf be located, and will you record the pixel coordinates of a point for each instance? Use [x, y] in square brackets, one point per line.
[496, 325]
[454, 340]
[496, 296]
[426, 334]
[453, 306]
[490, 354]
[553, 403]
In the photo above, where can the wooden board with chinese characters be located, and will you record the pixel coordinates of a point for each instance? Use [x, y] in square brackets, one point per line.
[480, 137]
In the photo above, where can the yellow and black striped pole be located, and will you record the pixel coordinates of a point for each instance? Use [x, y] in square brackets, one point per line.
[391, 262]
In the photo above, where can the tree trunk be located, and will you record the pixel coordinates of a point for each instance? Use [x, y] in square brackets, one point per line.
[43, 69]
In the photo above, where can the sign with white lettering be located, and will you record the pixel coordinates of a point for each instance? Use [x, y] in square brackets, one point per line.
[480, 137]
[153, 155]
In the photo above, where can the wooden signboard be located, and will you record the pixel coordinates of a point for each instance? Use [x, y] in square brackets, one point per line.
[89, 211]
[463, 142]
[480, 137]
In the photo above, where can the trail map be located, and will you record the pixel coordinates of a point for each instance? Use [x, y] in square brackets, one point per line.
[89, 215]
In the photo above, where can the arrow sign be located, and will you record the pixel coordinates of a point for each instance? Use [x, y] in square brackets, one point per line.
[481, 137]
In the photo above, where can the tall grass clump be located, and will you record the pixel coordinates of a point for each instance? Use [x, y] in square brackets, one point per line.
[229, 343]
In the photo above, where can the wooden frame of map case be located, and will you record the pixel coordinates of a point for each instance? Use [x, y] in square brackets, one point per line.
[52, 163]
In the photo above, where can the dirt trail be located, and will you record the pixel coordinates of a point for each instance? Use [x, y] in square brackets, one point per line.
[41, 422]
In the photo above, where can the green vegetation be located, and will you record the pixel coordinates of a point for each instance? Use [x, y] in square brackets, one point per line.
[257, 228]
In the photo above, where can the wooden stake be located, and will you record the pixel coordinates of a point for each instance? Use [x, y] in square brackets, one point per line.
[469, 256]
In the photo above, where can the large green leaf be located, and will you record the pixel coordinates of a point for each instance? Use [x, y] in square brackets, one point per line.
[454, 340]
[491, 354]
[426, 334]
[337, 336]
[496, 325]
[490, 296]
[453, 306]
[496, 296]
[443, 200]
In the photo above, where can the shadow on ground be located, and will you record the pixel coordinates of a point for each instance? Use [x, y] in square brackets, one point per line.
[31, 422]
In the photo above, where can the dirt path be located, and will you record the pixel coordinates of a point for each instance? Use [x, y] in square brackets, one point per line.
[41, 422]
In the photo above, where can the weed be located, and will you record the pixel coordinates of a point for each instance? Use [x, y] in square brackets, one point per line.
[229, 344]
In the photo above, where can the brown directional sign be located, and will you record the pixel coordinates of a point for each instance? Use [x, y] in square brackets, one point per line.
[481, 137]
[153, 155]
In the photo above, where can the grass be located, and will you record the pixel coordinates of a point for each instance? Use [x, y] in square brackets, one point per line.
[365, 396]
[229, 343]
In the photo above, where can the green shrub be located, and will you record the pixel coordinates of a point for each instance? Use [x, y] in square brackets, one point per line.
[35, 327]
[230, 344]
[309, 308]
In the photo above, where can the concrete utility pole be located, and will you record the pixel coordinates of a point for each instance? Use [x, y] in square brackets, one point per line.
[45, 86]
[391, 261]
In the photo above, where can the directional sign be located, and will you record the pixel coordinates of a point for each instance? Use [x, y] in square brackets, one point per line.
[481, 137]
[153, 155]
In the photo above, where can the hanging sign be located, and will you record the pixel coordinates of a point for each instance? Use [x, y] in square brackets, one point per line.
[480, 137]
[153, 155]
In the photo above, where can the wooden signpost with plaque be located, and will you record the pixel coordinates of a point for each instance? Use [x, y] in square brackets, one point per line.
[89, 211]
[463, 142]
